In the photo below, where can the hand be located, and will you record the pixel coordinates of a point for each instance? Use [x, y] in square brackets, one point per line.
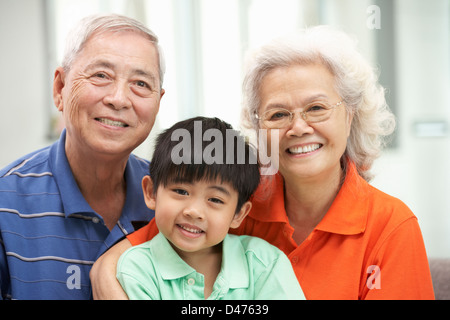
[103, 274]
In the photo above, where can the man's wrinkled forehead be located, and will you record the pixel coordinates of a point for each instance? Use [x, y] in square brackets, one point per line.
[100, 62]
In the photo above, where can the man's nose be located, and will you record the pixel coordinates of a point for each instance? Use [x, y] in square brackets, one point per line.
[118, 96]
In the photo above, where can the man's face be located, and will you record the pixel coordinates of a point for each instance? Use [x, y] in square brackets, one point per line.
[111, 94]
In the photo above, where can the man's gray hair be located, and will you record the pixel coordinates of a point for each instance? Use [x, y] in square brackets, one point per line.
[96, 24]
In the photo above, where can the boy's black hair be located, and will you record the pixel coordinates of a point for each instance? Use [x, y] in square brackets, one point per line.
[231, 160]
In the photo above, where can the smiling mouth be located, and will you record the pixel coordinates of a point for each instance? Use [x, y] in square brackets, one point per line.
[190, 229]
[305, 149]
[112, 123]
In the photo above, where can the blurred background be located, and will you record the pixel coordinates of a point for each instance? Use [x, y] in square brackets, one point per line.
[205, 43]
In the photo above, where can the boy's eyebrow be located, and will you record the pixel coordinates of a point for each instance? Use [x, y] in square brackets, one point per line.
[214, 186]
[221, 189]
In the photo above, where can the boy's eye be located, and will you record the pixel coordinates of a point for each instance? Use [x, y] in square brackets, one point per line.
[181, 192]
[216, 200]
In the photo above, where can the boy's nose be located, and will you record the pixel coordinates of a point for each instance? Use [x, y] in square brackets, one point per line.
[193, 212]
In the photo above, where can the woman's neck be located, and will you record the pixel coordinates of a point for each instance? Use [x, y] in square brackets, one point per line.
[308, 200]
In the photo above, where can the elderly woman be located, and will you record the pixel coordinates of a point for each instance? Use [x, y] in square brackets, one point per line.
[345, 239]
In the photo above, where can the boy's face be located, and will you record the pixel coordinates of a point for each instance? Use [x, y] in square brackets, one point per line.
[194, 217]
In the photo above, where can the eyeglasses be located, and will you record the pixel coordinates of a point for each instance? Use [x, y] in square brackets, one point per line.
[278, 118]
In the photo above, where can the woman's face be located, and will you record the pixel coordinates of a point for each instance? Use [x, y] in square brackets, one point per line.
[306, 150]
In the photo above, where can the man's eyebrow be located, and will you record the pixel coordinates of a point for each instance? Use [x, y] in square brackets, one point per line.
[99, 63]
[109, 65]
[143, 73]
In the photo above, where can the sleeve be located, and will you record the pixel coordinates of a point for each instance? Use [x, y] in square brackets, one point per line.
[400, 269]
[278, 281]
[135, 273]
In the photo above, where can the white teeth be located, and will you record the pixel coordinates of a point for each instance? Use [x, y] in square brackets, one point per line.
[112, 122]
[190, 229]
[305, 149]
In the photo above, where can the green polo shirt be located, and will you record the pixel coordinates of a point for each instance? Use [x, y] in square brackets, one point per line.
[251, 269]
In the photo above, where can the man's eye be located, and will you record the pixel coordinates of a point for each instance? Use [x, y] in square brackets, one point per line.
[142, 84]
[100, 75]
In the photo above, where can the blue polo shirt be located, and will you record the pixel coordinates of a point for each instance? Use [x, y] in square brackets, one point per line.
[49, 235]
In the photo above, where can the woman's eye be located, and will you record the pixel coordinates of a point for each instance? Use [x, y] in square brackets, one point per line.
[316, 108]
[278, 115]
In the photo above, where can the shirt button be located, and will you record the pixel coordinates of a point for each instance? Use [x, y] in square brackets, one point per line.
[191, 281]
[294, 259]
[95, 220]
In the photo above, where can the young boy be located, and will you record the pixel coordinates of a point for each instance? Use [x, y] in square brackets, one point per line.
[201, 178]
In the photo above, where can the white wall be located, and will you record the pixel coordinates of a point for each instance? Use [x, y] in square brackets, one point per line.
[418, 171]
[23, 79]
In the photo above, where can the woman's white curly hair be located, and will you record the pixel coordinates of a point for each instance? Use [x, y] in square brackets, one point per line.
[356, 82]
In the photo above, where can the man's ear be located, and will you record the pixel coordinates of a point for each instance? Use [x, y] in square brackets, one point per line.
[58, 85]
[147, 189]
[239, 217]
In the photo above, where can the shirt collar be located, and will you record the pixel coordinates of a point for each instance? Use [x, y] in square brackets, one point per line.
[349, 210]
[173, 267]
[234, 262]
[73, 200]
[347, 215]
[169, 262]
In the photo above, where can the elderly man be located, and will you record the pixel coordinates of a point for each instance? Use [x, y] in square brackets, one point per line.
[63, 206]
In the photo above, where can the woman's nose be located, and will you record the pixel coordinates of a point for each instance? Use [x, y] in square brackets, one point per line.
[299, 126]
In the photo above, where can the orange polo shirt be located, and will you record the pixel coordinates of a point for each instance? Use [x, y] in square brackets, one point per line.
[367, 246]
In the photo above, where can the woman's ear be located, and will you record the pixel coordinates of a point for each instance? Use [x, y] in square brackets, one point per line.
[350, 115]
[239, 217]
[149, 195]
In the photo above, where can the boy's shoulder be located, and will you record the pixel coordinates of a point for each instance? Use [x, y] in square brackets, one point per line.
[259, 248]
